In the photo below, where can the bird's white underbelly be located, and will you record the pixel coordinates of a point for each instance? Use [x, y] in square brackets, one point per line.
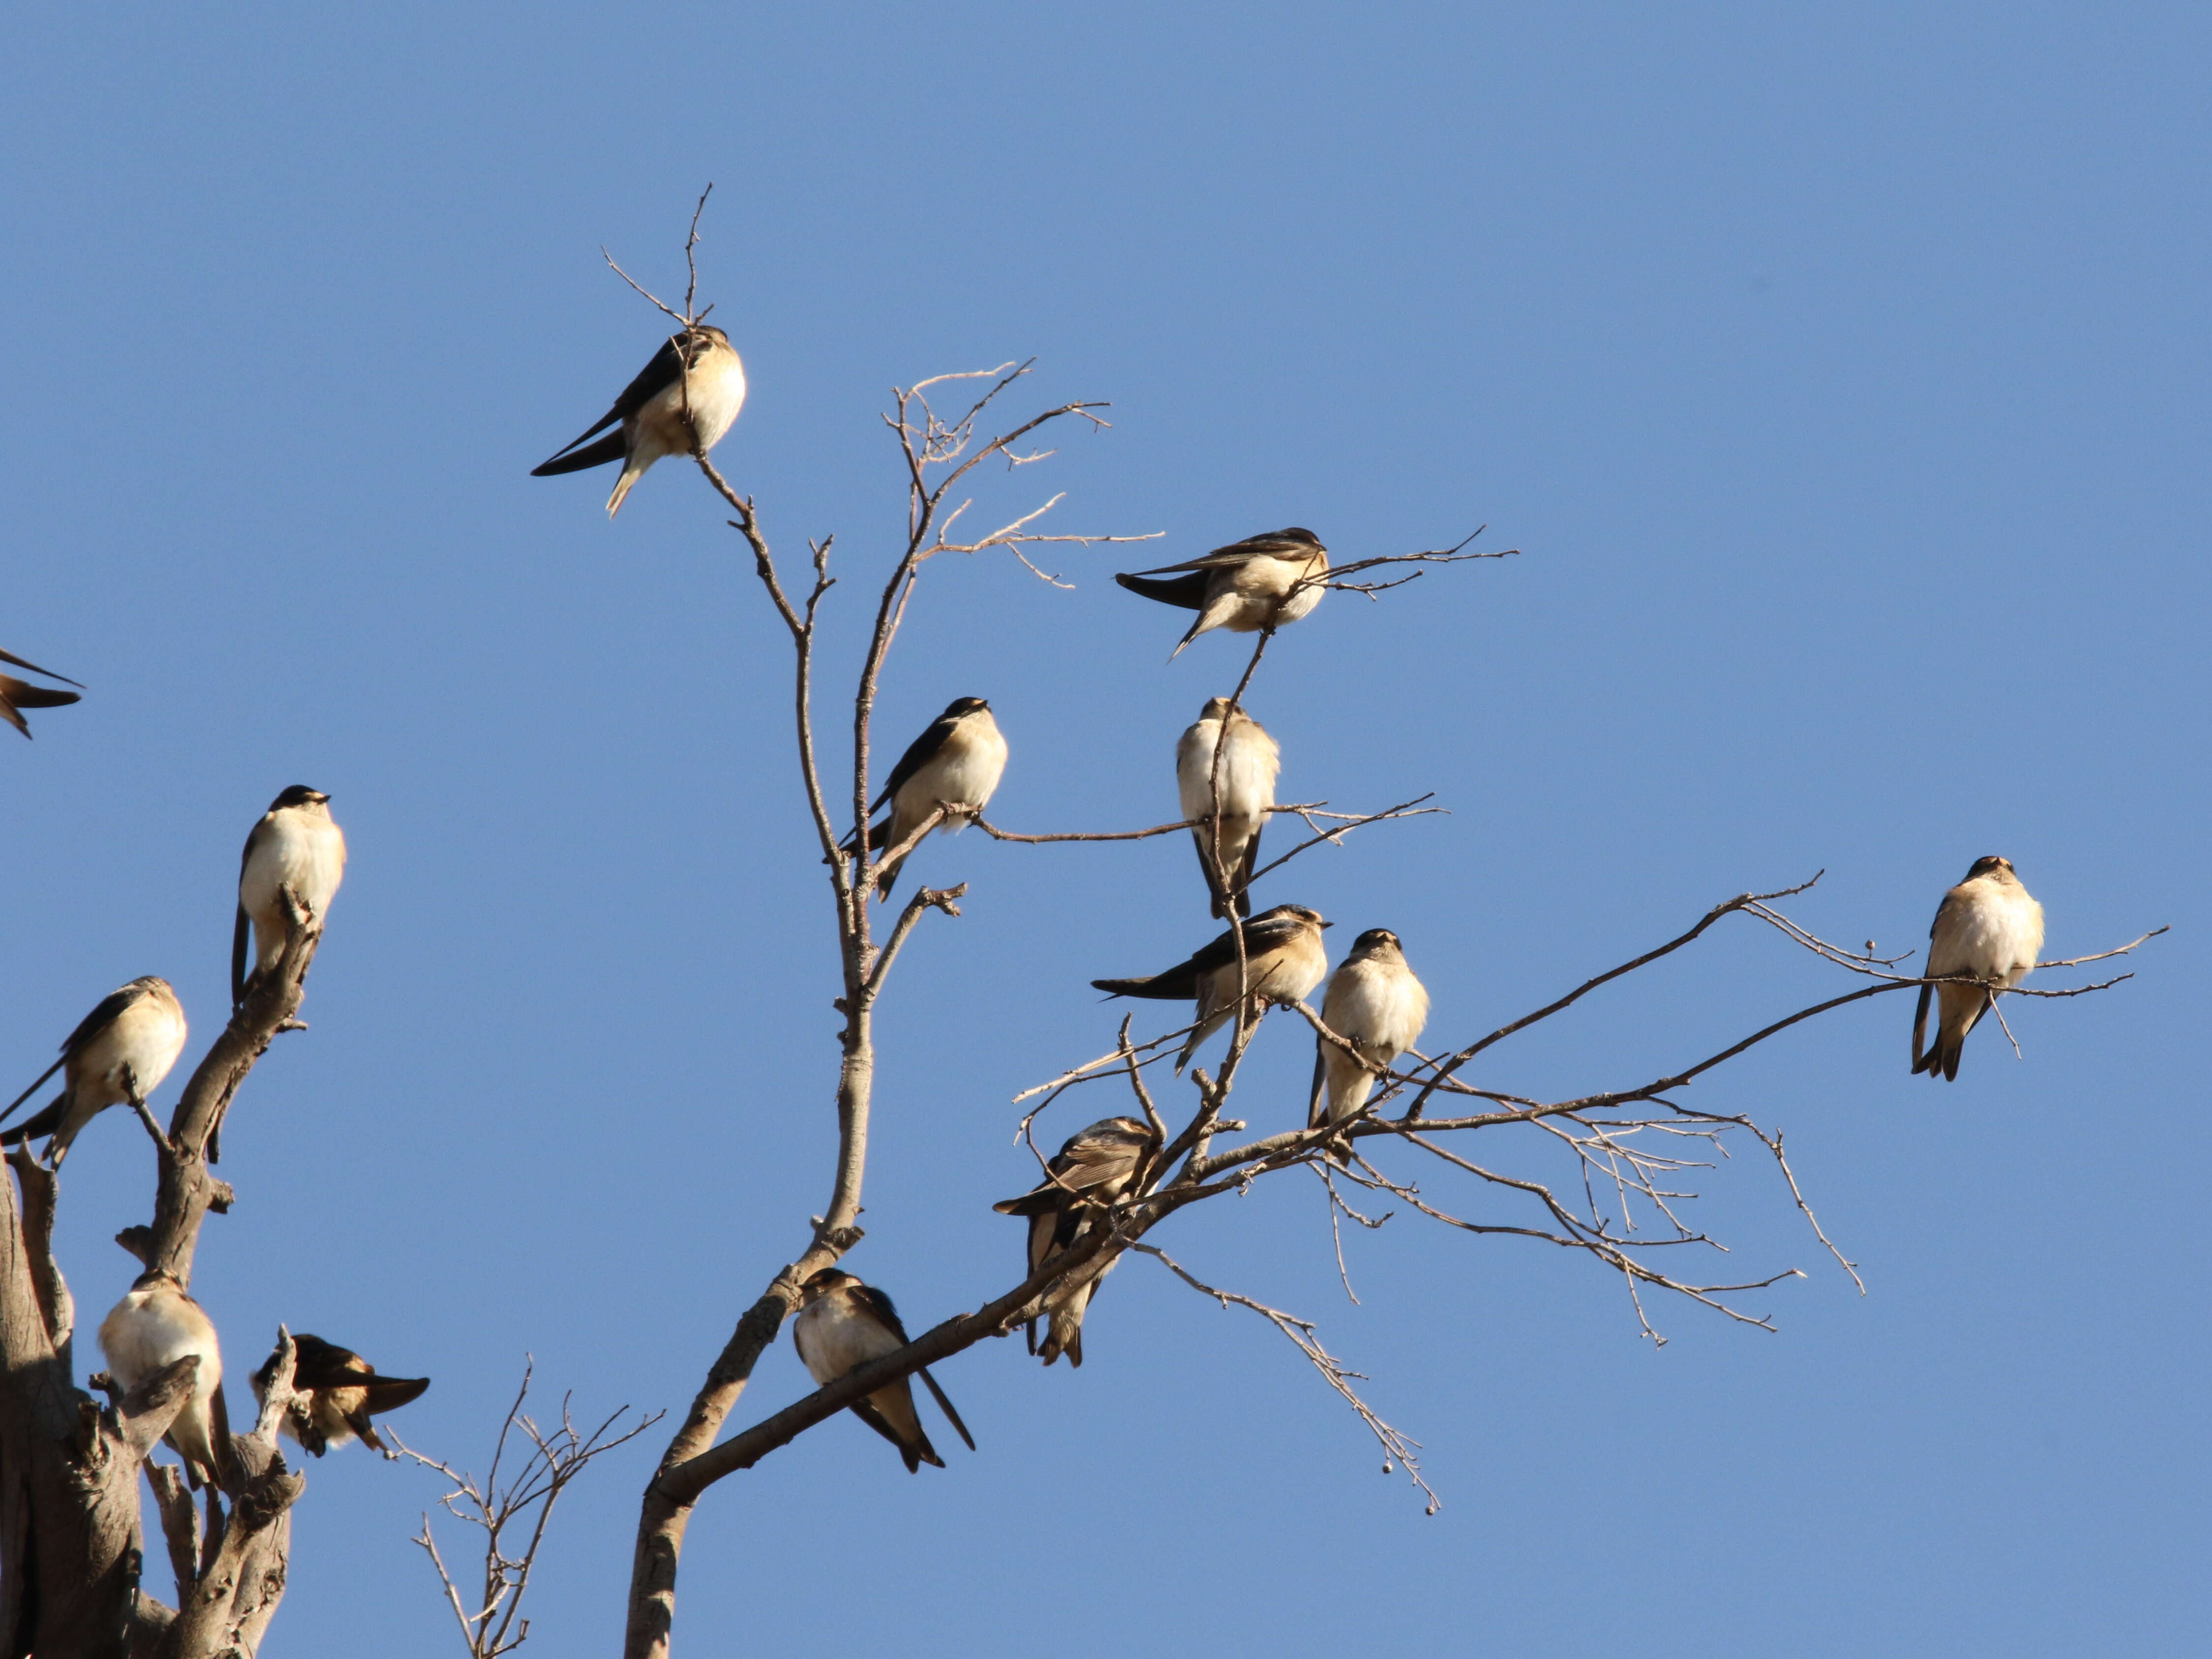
[146, 1332]
[309, 859]
[1992, 940]
[832, 1340]
[147, 1037]
[1250, 766]
[717, 393]
[1381, 1010]
[967, 773]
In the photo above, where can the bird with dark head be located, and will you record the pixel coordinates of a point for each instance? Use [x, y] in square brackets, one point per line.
[122, 1048]
[955, 764]
[335, 1393]
[1375, 1004]
[696, 370]
[1988, 929]
[15, 694]
[1284, 960]
[1261, 582]
[1093, 1168]
[296, 847]
[842, 1324]
[1247, 763]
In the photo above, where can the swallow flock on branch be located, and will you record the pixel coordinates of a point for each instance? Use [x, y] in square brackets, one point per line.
[1984, 941]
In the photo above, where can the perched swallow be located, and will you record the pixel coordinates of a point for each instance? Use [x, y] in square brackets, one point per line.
[1374, 1003]
[651, 411]
[1283, 960]
[956, 764]
[1249, 761]
[1263, 581]
[843, 1326]
[298, 845]
[1092, 1168]
[1987, 926]
[156, 1324]
[15, 694]
[130, 1042]
[336, 1392]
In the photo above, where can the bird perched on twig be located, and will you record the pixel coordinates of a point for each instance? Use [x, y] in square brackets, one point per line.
[843, 1326]
[651, 407]
[336, 1392]
[954, 763]
[1249, 761]
[1093, 1166]
[296, 845]
[1262, 582]
[1283, 960]
[154, 1325]
[15, 694]
[125, 1045]
[1375, 1004]
[1988, 926]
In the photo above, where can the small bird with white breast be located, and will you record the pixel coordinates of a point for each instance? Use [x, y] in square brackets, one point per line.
[335, 1393]
[297, 845]
[1283, 959]
[1093, 1168]
[125, 1045]
[155, 1325]
[1248, 762]
[842, 1326]
[695, 370]
[15, 694]
[1989, 928]
[1263, 581]
[956, 764]
[1377, 1005]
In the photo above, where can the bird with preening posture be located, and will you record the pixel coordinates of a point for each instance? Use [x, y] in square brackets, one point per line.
[335, 1393]
[1263, 581]
[1094, 1167]
[696, 370]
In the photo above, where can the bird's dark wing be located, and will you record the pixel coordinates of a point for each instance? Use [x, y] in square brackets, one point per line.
[916, 1455]
[918, 754]
[389, 1394]
[39, 1123]
[111, 1006]
[879, 1303]
[612, 448]
[657, 376]
[1275, 544]
[1317, 1102]
[945, 1406]
[1179, 983]
[16, 694]
[238, 934]
[10, 657]
[1267, 933]
[320, 1364]
[1189, 592]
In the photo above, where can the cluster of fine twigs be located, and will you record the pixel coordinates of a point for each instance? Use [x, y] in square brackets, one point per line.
[1632, 1148]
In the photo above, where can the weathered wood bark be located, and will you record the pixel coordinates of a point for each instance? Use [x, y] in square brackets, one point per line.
[72, 1548]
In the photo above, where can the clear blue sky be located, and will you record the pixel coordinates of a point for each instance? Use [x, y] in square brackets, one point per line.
[1844, 379]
